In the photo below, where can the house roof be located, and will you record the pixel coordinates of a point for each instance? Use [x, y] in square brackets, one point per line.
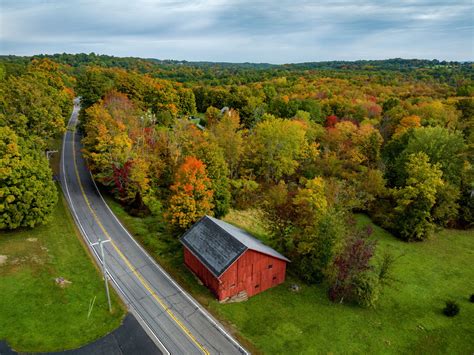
[218, 244]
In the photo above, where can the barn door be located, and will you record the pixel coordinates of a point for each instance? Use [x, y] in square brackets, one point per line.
[256, 282]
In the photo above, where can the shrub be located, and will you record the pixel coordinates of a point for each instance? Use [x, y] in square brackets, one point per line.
[350, 265]
[451, 309]
[367, 289]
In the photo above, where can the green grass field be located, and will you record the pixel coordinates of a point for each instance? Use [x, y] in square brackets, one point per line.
[36, 314]
[408, 318]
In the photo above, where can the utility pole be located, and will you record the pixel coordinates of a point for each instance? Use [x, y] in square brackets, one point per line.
[49, 152]
[104, 269]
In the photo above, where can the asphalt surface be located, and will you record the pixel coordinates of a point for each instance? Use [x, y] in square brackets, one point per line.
[129, 338]
[172, 318]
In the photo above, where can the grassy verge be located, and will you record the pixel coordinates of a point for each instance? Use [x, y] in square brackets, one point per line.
[408, 318]
[36, 314]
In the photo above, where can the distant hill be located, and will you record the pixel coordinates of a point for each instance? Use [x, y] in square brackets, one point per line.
[80, 59]
[217, 73]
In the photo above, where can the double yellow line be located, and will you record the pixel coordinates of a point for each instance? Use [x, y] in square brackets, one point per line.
[127, 262]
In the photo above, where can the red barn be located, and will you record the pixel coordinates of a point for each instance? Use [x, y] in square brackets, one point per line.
[229, 260]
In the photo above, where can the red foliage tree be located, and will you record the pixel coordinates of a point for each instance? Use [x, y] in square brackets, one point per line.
[331, 121]
[350, 264]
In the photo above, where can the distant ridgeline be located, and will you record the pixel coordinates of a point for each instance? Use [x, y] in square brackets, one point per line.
[241, 73]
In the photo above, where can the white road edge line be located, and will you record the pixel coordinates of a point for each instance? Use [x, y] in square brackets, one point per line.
[199, 307]
[76, 217]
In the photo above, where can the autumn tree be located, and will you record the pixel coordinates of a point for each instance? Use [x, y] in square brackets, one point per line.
[32, 107]
[350, 151]
[311, 203]
[116, 147]
[319, 230]
[304, 226]
[190, 141]
[191, 194]
[27, 192]
[370, 186]
[406, 123]
[437, 113]
[106, 143]
[212, 116]
[354, 279]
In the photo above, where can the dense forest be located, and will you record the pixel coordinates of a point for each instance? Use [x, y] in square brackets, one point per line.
[307, 144]
[34, 104]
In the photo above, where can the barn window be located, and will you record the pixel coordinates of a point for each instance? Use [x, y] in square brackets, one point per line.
[274, 278]
[257, 286]
[270, 266]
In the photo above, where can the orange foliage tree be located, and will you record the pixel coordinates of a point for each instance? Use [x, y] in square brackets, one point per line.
[406, 123]
[191, 194]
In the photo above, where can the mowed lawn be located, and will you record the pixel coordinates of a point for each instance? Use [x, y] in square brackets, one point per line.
[408, 318]
[36, 314]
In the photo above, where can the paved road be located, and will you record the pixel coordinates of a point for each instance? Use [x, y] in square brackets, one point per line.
[172, 318]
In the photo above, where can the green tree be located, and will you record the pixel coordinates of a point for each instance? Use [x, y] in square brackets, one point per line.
[278, 209]
[416, 199]
[442, 147]
[311, 204]
[274, 147]
[92, 85]
[27, 191]
[317, 247]
[213, 157]
[445, 211]
[229, 136]
[187, 102]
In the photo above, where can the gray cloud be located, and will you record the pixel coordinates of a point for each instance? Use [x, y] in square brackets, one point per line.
[256, 31]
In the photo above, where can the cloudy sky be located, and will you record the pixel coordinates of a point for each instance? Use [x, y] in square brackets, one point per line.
[274, 31]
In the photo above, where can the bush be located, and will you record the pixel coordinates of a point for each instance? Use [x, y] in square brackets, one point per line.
[367, 289]
[451, 309]
[471, 299]
[351, 280]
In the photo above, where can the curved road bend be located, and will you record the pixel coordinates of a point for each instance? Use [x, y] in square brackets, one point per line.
[173, 319]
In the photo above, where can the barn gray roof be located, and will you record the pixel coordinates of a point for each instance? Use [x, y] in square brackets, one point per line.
[218, 244]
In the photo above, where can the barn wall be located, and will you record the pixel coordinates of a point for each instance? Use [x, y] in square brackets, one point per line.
[201, 271]
[252, 273]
